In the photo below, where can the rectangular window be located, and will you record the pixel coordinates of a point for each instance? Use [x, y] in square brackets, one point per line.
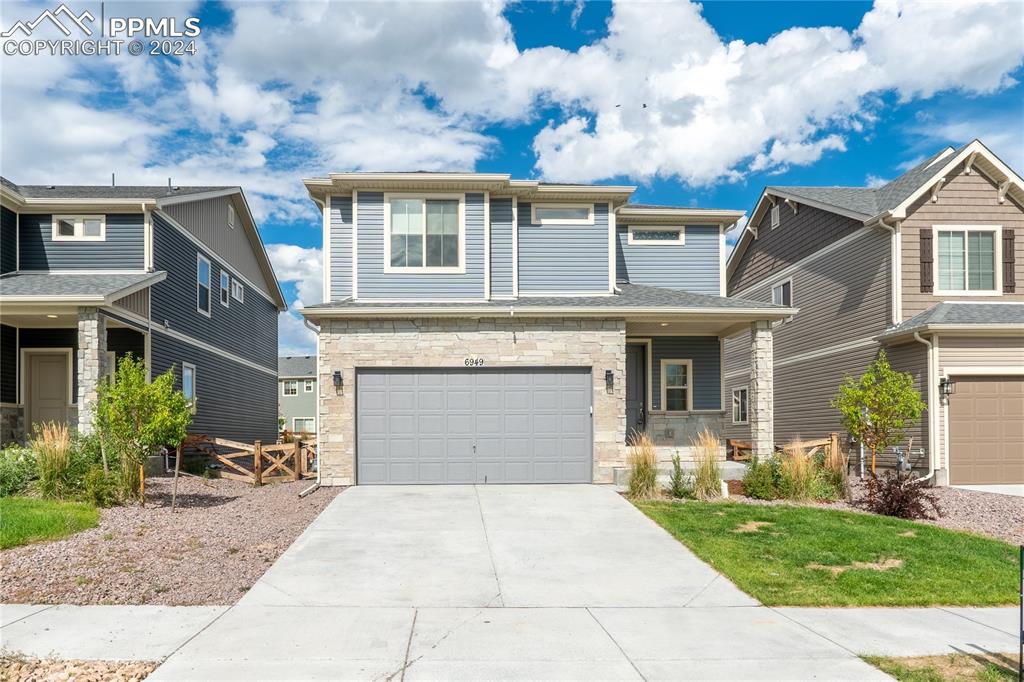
[237, 291]
[739, 405]
[203, 284]
[308, 387]
[290, 387]
[231, 215]
[782, 293]
[188, 383]
[967, 260]
[424, 234]
[225, 289]
[79, 228]
[675, 385]
[562, 214]
[775, 216]
[656, 235]
[305, 425]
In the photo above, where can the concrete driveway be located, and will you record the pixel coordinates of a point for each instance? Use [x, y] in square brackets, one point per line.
[499, 582]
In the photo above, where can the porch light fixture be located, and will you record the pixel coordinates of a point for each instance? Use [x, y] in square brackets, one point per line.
[946, 387]
[52, 317]
[339, 381]
[609, 380]
[664, 324]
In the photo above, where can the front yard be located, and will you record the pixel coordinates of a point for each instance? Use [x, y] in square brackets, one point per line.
[976, 667]
[24, 520]
[805, 556]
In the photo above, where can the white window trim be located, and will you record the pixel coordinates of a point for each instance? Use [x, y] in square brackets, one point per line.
[237, 290]
[776, 215]
[284, 388]
[307, 385]
[561, 221]
[79, 220]
[232, 216]
[209, 286]
[665, 362]
[997, 281]
[460, 269]
[633, 241]
[225, 300]
[792, 295]
[195, 385]
[296, 430]
[746, 389]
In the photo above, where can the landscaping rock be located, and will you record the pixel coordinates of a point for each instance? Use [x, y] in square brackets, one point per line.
[19, 669]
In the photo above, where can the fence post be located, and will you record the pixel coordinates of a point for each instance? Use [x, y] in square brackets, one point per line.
[833, 444]
[257, 465]
[297, 471]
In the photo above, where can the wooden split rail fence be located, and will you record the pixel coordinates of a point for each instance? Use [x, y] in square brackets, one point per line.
[740, 451]
[256, 463]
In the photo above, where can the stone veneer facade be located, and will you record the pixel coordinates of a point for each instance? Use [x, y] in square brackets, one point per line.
[347, 345]
[92, 361]
[760, 397]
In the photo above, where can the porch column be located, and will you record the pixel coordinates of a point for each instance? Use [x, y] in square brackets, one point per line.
[761, 396]
[92, 360]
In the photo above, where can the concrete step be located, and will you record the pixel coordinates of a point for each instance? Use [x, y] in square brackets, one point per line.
[730, 471]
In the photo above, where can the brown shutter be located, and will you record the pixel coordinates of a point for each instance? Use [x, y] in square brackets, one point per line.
[927, 257]
[1009, 261]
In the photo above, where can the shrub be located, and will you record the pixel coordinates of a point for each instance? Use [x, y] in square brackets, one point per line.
[707, 480]
[52, 444]
[17, 469]
[798, 473]
[901, 494]
[100, 487]
[761, 481]
[680, 484]
[643, 468]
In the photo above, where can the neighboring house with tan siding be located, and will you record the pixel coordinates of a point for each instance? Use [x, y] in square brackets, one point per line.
[926, 267]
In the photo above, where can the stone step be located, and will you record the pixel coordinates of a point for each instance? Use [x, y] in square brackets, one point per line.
[730, 471]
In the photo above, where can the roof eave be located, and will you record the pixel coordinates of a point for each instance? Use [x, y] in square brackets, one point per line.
[550, 311]
[963, 329]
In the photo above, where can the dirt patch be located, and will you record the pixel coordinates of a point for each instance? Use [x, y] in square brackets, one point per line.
[909, 534]
[20, 669]
[223, 537]
[751, 527]
[981, 665]
[884, 565]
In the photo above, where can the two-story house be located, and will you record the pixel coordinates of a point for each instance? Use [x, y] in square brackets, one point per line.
[297, 397]
[176, 276]
[481, 329]
[925, 267]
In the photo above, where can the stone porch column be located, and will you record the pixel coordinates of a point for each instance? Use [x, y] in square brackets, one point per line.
[92, 361]
[761, 396]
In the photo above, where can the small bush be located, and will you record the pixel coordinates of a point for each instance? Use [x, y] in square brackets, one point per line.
[100, 487]
[761, 481]
[707, 480]
[17, 469]
[52, 444]
[643, 468]
[680, 484]
[799, 475]
[901, 494]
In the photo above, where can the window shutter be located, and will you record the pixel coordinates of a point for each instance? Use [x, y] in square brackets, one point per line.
[1009, 261]
[927, 257]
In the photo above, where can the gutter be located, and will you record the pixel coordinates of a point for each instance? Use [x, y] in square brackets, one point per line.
[529, 311]
[932, 378]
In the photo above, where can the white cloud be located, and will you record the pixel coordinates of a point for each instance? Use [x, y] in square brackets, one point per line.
[304, 268]
[875, 181]
[293, 337]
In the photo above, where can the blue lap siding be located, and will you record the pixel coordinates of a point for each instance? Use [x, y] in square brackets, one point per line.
[563, 258]
[705, 352]
[341, 247]
[123, 248]
[692, 266]
[8, 364]
[501, 248]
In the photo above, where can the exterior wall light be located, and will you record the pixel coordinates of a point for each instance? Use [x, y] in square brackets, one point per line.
[946, 387]
[339, 381]
[609, 380]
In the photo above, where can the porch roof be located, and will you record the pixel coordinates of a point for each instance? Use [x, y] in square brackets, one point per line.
[72, 289]
[962, 317]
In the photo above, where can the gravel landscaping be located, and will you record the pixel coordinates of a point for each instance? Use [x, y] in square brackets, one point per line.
[991, 514]
[19, 669]
[223, 537]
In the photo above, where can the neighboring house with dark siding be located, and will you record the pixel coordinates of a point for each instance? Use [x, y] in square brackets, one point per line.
[478, 328]
[928, 267]
[175, 276]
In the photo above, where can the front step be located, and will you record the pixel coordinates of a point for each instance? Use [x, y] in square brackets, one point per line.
[729, 470]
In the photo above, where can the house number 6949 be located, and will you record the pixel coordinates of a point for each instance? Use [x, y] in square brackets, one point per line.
[474, 362]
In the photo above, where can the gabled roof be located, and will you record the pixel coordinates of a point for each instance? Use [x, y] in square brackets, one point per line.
[296, 366]
[95, 289]
[961, 317]
[133, 192]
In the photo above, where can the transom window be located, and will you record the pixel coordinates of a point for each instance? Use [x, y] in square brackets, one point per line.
[968, 259]
[237, 291]
[290, 387]
[225, 287]
[656, 235]
[231, 215]
[775, 216]
[305, 425]
[675, 385]
[203, 284]
[739, 405]
[79, 228]
[425, 233]
[562, 214]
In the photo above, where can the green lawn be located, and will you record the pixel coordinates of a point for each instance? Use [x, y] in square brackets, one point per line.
[949, 668]
[806, 556]
[25, 519]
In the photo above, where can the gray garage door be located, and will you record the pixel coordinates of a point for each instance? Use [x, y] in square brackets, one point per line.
[524, 425]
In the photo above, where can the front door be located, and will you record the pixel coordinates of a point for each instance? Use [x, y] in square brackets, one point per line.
[47, 388]
[636, 389]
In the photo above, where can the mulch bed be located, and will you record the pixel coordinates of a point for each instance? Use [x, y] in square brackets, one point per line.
[222, 538]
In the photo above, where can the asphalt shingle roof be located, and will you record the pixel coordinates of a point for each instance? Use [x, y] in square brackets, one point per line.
[966, 314]
[296, 366]
[48, 285]
[107, 192]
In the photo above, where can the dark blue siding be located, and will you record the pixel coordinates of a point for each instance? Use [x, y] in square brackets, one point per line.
[248, 329]
[341, 247]
[234, 401]
[563, 258]
[707, 367]
[122, 249]
[8, 365]
[8, 240]
[501, 247]
[691, 266]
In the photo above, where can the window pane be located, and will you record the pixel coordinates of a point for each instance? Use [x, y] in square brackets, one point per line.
[66, 227]
[952, 263]
[581, 213]
[451, 250]
[203, 272]
[204, 298]
[188, 378]
[414, 247]
[656, 235]
[91, 227]
[676, 399]
[675, 375]
[398, 254]
[981, 261]
[406, 216]
[434, 247]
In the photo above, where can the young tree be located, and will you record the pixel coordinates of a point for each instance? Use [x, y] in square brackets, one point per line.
[136, 418]
[879, 406]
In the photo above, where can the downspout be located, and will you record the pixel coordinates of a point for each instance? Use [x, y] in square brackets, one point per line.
[932, 375]
[316, 486]
[895, 254]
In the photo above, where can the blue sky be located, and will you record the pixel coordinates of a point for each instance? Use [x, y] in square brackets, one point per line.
[698, 105]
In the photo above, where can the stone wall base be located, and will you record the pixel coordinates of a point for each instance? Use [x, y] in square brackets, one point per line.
[12, 425]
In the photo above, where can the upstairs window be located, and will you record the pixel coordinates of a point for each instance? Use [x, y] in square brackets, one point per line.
[225, 286]
[775, 216]
[675, 385]
[237, 291]
[659, 236]
[424, 235]
[290, 387]
[968, 260]
[782, 293]
[231, 215]
[739, 405]
[79, 228]
[308, 388]
[203, 284]
[562, 214]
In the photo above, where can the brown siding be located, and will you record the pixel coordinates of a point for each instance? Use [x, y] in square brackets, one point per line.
[964, 200]
[796, 237]
[913, 357]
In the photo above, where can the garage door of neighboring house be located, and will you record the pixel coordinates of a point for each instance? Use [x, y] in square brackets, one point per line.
[986, 430]
[480, 425]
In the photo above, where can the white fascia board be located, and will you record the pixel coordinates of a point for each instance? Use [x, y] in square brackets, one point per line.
[723, 217]
[197, 196]
[512, 311]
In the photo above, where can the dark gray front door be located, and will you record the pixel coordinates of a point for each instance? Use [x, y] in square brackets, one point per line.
[636, 389]
[502, 425]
